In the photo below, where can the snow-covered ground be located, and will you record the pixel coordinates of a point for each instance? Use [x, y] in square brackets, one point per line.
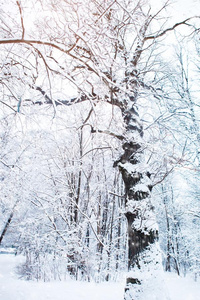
[13, 288]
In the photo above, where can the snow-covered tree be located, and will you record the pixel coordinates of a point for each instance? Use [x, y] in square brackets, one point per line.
[105, 53]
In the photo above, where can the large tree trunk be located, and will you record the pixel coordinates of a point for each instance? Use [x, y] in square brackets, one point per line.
[142, 228]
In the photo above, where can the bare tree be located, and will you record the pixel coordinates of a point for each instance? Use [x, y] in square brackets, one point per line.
[107, 51]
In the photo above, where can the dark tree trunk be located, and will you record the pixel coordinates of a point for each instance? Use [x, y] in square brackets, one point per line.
[6, 227]
[169, 242]
[8, 223]
[142, 232]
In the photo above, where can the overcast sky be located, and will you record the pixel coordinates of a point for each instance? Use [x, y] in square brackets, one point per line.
[186, 8]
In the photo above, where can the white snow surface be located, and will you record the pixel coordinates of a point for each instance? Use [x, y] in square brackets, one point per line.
[13, 288]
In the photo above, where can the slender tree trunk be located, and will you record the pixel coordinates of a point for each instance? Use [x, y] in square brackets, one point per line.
[6, 227]
[110, 241]
[168, 260]
[169, 238]
[8, 223]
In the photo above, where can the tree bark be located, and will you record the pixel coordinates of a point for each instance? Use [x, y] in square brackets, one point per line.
[8, 223]
[142, 229]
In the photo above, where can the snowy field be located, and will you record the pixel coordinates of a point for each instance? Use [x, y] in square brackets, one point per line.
[12, 288]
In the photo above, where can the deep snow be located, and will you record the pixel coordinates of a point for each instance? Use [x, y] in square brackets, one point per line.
[13, 288]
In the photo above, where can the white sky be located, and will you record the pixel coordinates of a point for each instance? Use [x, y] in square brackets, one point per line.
[185, 8]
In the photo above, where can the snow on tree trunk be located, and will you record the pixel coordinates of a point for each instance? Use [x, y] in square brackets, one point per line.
[143, 254]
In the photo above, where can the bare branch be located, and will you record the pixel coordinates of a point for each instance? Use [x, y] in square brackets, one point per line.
[8, 106]
[184, 22]
[22, 20]
[98, 148]
[97, 72]
[120, 137]
[105, 11]
[47, 69]
[50, 44]
[48, 100]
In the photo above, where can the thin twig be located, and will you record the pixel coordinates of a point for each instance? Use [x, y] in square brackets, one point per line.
[22, 20]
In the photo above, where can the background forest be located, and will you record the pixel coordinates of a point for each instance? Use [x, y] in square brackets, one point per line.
[80, 81]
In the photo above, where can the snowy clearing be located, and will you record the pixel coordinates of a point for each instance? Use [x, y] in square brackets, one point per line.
[12, 288]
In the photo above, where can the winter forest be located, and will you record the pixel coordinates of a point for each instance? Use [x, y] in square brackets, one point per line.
[100, 142]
